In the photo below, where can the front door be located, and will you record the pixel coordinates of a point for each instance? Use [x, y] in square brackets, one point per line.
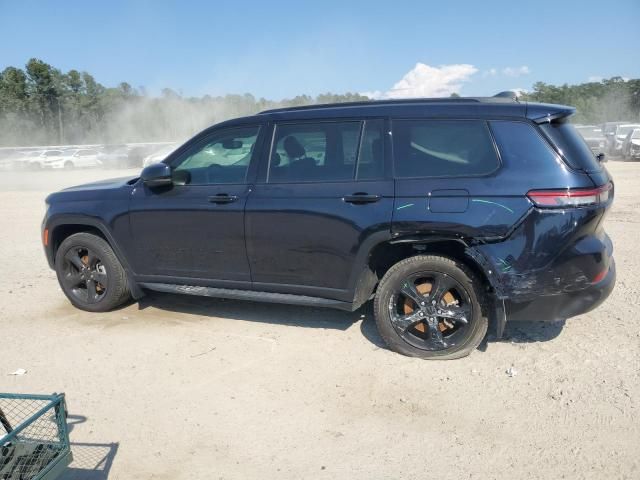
[193, 231]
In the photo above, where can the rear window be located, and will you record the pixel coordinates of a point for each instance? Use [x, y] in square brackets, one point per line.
[442, 148]
[571, 146]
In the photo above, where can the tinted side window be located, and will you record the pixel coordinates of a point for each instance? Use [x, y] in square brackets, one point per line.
[442, 148]
[371, 157]
[522, 146]
[314, 152]
[222, 158]
[572, 146]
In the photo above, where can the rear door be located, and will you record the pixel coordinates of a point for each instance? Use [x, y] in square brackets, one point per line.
[447, 183]
[193, 231]
[322, 192]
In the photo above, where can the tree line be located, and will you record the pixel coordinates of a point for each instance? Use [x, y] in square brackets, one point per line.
[41, 105]
[596, 102]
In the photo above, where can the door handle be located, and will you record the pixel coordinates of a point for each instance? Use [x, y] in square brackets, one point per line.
[361, 197]
[223, 198]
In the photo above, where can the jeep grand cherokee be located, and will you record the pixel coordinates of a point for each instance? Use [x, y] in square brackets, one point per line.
[449, 213]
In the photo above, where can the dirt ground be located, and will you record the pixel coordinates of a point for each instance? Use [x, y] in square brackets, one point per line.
[188, 388]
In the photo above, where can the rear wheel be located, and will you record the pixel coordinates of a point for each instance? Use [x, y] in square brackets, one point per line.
[68, 165]
[90, 274]
[429, 307]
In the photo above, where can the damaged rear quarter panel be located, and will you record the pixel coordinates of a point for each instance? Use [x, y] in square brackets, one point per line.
[549, 252]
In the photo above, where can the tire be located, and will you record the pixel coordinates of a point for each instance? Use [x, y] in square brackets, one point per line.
[458, 339]
[68, 165]
[90, 274]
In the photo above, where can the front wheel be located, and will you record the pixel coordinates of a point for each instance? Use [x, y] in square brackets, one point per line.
[90, 274]
[429, 307]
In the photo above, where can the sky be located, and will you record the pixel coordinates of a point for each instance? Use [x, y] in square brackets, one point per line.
[279, 49]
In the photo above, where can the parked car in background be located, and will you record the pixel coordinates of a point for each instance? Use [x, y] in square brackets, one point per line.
[18, 161]
[114, 156]
[620, 135]
[40, 159]
[615, 133]
[609, 132]
[158, 155]
[7, 158]
[594, 137]
[449, 214]
[80, 158]
[138, 153]
[631, 145]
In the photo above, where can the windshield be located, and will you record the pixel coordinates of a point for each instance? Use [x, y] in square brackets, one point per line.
[572, 146]
[636, 133]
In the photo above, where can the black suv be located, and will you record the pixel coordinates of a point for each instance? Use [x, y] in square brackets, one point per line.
[453, 214]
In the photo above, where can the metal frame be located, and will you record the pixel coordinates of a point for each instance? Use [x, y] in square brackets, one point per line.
[56, 402]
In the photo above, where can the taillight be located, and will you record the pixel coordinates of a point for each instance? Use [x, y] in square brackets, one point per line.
[599, 277]
[577, 197]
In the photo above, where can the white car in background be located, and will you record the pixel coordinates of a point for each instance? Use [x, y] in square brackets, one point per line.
[40, 159]
[159, 155]
[631, 145]
[13, 160]
[81, 158]
[620, 135]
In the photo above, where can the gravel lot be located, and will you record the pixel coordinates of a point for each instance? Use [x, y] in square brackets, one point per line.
[188, 388]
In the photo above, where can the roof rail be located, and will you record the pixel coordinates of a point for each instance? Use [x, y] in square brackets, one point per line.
[402, 101]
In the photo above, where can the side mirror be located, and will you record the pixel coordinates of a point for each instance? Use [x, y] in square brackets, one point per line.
[157, 175]
[600, 157]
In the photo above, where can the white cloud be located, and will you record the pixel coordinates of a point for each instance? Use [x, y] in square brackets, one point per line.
[492, 72]
[516, 71]
[426, 81]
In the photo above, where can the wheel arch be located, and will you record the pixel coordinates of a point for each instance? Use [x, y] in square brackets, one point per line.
[62, 227]
[384, 254]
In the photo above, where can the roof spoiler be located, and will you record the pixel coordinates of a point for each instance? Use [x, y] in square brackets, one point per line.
[547, 112]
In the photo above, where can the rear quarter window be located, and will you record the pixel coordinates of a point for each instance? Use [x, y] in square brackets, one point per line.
[571, 146]
[522, 146]
[442, 148]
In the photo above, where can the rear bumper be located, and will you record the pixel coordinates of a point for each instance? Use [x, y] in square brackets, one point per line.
[564, 305]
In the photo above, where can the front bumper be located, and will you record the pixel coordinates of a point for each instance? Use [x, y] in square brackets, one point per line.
[564, 305]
